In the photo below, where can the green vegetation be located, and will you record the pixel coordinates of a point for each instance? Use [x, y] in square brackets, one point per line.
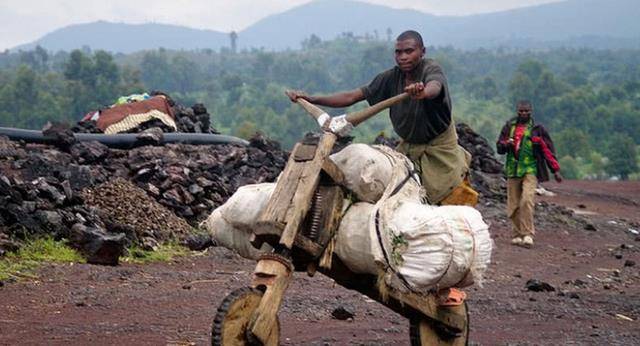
[164, 253]
[586, 98]
[34, 252]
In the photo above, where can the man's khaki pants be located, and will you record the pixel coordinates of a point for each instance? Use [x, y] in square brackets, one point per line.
[520, 204]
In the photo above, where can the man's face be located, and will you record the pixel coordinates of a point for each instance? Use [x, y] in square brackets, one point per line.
[408, 54]
[524, 113]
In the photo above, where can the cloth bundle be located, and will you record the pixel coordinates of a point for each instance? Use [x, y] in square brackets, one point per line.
[129, 112]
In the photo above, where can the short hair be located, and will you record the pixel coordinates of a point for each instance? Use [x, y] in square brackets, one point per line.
[524, 103]
[411, 34]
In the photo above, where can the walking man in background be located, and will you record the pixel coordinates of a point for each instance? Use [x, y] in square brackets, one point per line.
[424, 121]
[529, 151]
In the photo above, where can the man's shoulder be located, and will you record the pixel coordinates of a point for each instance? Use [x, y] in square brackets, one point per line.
[391, 72]
[539, 127]
[511, 121]
[430, 64]
[431, 61]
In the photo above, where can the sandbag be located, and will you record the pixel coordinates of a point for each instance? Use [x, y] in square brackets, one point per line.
[421, 247]
[367, 171]
[231, 224]
[353, 239]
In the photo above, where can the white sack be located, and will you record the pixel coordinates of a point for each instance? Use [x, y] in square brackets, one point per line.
[367, 171]
[433, 247]
[353, 239]
[429, 247]
[231, 224]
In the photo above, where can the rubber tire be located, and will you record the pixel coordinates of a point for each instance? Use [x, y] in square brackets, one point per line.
[415, 333]
[229, 327]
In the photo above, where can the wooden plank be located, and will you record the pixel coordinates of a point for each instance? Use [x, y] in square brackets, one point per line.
[304, 152]
[305, 189]
[332, 214]
[428, 305]
[276, 208]
[333, 171]
[409, 305]
[266, 315]
[308, 245]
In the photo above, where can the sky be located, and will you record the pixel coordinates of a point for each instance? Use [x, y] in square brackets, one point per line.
[23, 21]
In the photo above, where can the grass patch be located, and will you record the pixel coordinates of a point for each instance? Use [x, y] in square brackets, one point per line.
[23, 263]
[164, 253]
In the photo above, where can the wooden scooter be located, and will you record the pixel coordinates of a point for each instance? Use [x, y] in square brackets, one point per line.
[299, 222]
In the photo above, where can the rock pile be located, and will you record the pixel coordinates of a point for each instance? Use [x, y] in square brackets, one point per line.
[127, 207]
[482, 155]
[90, 193]
[193, 180]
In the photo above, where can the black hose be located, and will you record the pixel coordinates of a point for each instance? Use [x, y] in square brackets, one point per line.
[124, 140]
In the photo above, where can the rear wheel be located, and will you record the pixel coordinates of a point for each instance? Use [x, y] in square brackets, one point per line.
[423, 332]
[230, 325]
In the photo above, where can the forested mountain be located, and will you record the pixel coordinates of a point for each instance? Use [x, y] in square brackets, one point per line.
[589, 99]
[575, 23]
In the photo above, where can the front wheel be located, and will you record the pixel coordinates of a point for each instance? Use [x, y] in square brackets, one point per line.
[230, 325]
[423, 332]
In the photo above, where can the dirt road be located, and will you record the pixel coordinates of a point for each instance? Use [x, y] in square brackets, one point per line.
[595, 274]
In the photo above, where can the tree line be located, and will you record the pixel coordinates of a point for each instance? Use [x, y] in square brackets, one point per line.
[588, 99]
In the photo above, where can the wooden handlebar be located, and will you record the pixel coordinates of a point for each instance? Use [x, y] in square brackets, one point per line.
[358, 117]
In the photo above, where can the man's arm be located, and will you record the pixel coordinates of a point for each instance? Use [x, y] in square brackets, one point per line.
[504, 143]
[549, 152]
[337, 100]
[420, 91]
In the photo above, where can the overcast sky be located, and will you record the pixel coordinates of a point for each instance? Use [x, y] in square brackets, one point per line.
[23, 21]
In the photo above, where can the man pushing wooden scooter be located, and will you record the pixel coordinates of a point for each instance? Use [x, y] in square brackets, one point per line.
[299, 221]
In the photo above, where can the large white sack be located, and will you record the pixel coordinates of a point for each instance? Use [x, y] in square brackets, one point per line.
[423, 247]
[417, 242]
[429, 247]
[367, 170]
[231, 224]
[353, 239]
[244, 207]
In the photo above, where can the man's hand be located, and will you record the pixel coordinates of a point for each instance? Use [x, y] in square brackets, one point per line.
[557, 176]
[415, 90]
[294, 95]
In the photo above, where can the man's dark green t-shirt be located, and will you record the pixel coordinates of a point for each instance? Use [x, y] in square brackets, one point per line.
[416, 121]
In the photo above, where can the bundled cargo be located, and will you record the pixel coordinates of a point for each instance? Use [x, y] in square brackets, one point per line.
[388, 230]
[418, 247]
[231, 224]
[367, 171]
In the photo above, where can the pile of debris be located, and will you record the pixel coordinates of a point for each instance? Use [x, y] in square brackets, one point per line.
[88, 193]
[129, 208]
[193, 180]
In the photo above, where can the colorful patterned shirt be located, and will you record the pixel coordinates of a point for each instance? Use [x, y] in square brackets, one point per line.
[521, 161]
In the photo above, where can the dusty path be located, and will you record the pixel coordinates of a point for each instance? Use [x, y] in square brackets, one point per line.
[173, 303]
